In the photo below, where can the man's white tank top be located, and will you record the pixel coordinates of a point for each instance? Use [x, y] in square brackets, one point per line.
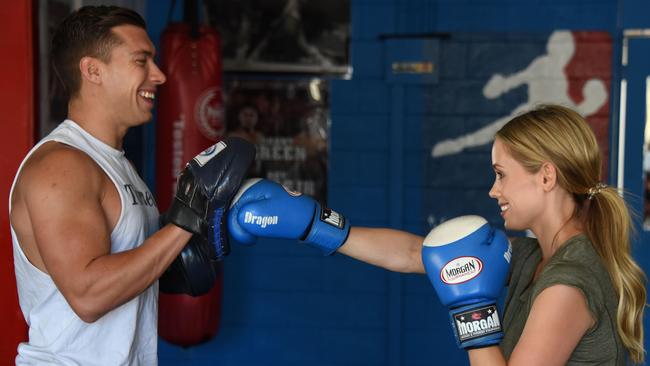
[127, 335]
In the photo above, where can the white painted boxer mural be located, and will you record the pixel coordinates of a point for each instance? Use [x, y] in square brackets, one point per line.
[547, 81]
[485, 80]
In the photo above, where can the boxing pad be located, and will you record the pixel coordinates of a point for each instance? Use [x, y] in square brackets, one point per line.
[205, 189]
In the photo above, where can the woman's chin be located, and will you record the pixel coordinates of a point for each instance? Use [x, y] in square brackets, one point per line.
[509, 225]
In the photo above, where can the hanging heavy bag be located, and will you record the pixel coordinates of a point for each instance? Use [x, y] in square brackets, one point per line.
[190, 118]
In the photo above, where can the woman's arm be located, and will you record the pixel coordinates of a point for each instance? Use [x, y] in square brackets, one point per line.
[394, 250]
[557, 321]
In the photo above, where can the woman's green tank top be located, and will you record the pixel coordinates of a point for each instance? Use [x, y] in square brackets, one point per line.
[576, 264]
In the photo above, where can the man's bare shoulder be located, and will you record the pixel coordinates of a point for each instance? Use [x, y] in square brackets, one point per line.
[56, 188]
[56, 166]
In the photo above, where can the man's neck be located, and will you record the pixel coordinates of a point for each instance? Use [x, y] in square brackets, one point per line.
[95, 121]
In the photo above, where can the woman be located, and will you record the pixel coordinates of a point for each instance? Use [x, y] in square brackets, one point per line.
[576, 296]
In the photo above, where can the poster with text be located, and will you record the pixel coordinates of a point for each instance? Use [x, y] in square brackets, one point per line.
[288, 121]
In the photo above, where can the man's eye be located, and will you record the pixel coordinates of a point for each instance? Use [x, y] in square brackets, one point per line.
[141, 61]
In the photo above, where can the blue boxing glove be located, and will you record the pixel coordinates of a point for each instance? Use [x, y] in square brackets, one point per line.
[263, 208]
[468, 261]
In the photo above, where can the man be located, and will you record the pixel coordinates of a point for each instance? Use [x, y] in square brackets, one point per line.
[87, 249]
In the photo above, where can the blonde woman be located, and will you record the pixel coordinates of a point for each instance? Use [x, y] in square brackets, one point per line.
[576, 296]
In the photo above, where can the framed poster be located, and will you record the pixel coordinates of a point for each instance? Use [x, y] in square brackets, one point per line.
[288, 121]
[282, 35]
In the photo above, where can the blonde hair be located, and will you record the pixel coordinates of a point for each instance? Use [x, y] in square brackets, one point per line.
[552, 133]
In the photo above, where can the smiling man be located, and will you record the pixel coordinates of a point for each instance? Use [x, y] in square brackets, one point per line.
[87, 246]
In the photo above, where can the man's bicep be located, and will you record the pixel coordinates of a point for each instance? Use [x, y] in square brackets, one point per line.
[68, 221]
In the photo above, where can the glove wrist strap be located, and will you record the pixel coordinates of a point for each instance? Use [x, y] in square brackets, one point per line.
[476, 325]
[328, 231]
[184, 217]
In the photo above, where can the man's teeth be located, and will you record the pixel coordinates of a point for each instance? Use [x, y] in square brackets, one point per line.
[504, 207]
[146, 94]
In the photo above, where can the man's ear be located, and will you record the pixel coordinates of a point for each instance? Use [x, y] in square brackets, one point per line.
[90, 69]
[549, 176]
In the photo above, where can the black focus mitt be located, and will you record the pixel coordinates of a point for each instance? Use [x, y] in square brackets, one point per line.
[203, 195]
[206, 187]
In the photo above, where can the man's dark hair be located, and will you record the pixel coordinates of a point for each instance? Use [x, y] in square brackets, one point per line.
[87, 32]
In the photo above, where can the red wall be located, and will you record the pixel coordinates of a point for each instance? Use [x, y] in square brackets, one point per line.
[16, 137]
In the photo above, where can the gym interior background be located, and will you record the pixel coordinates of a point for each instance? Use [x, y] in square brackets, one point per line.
[390, 96]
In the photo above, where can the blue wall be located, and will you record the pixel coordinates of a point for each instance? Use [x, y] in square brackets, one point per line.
[287, 305]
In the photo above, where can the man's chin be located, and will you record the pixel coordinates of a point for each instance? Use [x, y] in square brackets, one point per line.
[146, 117]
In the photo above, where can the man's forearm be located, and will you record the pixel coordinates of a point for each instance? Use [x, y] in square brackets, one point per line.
[113, 279]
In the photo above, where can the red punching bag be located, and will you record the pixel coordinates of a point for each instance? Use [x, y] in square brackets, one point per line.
[190, 118]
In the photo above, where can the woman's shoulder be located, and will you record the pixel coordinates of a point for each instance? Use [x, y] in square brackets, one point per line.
[579, 252]
[578, 265]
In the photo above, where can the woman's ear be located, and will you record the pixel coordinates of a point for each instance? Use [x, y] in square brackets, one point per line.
[549, 176]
